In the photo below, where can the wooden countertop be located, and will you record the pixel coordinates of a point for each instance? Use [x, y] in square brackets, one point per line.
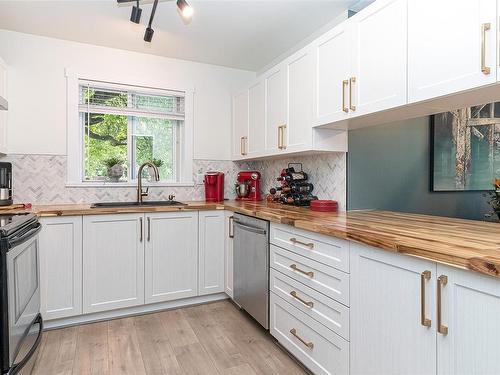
[473, 245]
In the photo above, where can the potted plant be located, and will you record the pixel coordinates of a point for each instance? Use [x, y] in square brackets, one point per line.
[115, 168]
[494, 199]
[158, 163]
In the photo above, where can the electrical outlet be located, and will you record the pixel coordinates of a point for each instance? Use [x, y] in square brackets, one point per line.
[199, 178]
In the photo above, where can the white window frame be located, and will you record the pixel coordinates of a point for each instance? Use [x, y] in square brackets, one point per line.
[74, 133]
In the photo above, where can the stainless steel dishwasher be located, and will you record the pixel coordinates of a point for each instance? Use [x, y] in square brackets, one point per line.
[251, 267]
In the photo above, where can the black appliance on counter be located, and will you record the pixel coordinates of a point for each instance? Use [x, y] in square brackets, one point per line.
[21, 323]
[5, 184]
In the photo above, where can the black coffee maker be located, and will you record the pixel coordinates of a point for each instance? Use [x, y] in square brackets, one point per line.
[5, 184]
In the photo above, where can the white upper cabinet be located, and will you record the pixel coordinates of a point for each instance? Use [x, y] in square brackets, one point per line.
[468, 338]
[296, 135]
[255, 144]
[451, 46]
[379, 47]
[275, 82]
[240, 125]
[113, 261]
[3, 103]
[171, 256]
[332, 72]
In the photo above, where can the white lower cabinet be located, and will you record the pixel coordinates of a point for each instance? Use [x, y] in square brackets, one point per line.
[113, 262]
[228, 254]
[468, 341]
[171, 256]
[61, 267]
[318, 348]
[211, 252]
[387, 334]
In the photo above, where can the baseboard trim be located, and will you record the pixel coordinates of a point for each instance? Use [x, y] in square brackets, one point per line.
[131, 311]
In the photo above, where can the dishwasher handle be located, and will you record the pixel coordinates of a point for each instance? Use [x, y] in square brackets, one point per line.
[248, 227]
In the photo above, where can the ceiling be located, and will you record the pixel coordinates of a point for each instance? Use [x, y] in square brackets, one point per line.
[239, 33]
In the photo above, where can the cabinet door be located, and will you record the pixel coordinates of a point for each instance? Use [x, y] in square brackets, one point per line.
[171, 256]
[61, 267]
[470, 311]
[387, 335]
[332, 67]
[240, 124]
[228, 258]
[379, 58]
[445, 51]
[275, 82]
[300, 86]
[211, 252]
[113, 261]
[256, 119]
[3, 114]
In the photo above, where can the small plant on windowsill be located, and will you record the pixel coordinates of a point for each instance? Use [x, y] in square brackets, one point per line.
[158, 163]
[494, 199]
[115, 168]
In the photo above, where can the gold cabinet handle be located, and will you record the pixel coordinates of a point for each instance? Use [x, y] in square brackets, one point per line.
[309, 344]
[442, 281]
[140, 236]
[231, 227]
[484, 27]
[345, 83]
[241, 145]
[424, 277]
[352, 81]
[295, 241]
[149, 229]
[293, 293]
[307, 273]
[279, 137]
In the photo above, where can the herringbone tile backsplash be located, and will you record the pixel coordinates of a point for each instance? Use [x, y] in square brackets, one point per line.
[41, 179]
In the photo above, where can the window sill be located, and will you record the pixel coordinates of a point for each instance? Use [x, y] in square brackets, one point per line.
[105, 184]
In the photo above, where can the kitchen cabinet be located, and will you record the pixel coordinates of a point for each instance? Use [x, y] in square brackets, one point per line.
[297, 133]
[171, 256]
[3, 104]
[113, 261]
[61, 267]
[332, 72]
[379, 63]
[451, 47]
[256, 141]
[467, 342]
[240, 125]
[275, 109]
[211, 252]
[392, 313]
[228, 253]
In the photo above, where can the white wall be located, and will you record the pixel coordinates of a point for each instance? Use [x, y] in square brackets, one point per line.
[37, 90]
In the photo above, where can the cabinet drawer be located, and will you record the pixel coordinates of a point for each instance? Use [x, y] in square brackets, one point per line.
[318, 348]
[324, 249]
[330, 313]
[322, 278]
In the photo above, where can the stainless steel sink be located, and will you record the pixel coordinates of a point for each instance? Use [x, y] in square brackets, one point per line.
[136, 204]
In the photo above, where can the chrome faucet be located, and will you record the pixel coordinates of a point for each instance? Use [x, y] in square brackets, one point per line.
[141, 193]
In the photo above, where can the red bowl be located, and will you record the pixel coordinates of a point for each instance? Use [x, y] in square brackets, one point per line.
[324, 205]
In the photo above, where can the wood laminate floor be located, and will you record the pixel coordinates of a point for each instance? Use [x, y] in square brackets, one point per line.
[208, 339]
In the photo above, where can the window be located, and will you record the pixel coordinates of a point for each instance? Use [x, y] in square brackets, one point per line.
[123, 126]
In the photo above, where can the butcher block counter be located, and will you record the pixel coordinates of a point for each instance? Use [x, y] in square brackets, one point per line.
[473, 245]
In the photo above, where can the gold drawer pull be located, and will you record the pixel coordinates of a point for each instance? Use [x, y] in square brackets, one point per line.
[309, 344]
[296, 241]
[352, 81]
[293, 293]
[442, 281]
[424, 277]
[484, 27]
[307, 273]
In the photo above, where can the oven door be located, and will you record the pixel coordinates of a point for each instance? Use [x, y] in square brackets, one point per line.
[23, 283]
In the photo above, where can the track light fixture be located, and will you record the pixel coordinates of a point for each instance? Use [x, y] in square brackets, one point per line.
[185, 9]
[135, 17]
[148, 35]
